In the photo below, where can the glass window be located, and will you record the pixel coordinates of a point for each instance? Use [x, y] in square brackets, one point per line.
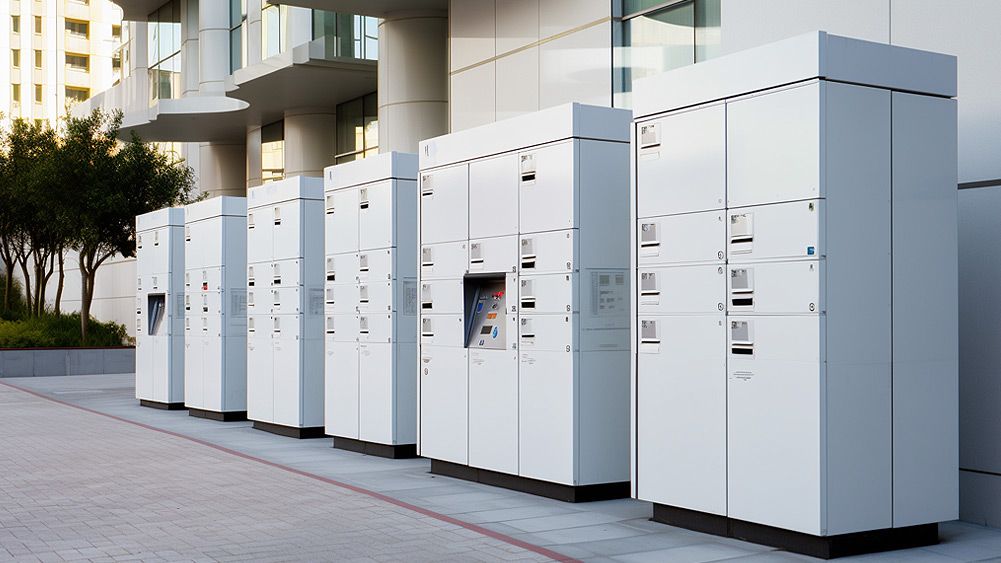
[38, 93]
[78, 28]
[38, 25]
[657, 40]
[273, 21]
[347, 35]
[164, 50]
[77, 94]
[38, 58]
[78, 62]
[15, 24]
[116, 32]
[15, 92]
[15, 58]
[273, 151]
[237, 34]
[357, 129]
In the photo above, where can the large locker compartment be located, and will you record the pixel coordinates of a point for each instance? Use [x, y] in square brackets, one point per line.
[794, 219]
[215, 291]
[371, 300]
[286, 307]
[523, 302]
[160, 309]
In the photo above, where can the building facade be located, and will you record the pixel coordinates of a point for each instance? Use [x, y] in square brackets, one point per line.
[252, 91]
[59, 52]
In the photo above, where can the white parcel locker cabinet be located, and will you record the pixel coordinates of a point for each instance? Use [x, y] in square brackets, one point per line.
[285, 347]
[160, 308]
[529, 308]
[372, 301]
[840, 393]
[216, 296]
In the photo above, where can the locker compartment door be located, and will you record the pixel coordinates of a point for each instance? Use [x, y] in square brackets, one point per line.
[681, 162]
[341, 221]
[547, 332]
[260, 235]
[546, 415]
[288, 371]
[677, 239]
[260, 370]
[286, 300]
[783, 230]
[546, 198]
[493, 410]
[375, 297]
[547, 293]
[375, 328]
[234, 383]
[144, 367]
[442, 297]
[443, 330]
[774, 413]
[776, 287]
[376, 211]
[341, 298]
[445, 205]
[681, 289]
[286, 273]
[376, 265]
[194, 373]
[443, 404]
[340, 391]
[342, 268]
[161, 369]
[493, 254]
[681, 412]
[212, 354]
[287, 221]
[442, 261]
[493, 197]
[774, 147]
[342, 328]
[375, 392]
[548, 253]
[210, 279]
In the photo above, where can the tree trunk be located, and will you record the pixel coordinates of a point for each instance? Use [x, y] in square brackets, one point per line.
[23, 262]
[8, 286]
[60, 281]
[86, 296]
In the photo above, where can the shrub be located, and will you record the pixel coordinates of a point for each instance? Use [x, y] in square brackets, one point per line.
[17, 307]
[63, 331]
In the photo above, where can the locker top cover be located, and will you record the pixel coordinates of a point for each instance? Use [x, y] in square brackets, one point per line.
[385, 166]
[525, 131]
[296, 187]
[223, 206]
[816, 54]
[166, 217]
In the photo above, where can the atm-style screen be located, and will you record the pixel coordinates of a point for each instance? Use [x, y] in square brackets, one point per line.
[487, 314]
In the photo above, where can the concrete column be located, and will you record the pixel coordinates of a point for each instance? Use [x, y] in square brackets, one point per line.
[222, 169]
[309, 141]
[254, 36]
[299, 27]
[413, 79]
[189, 47]
[213, 47]
[254, 162]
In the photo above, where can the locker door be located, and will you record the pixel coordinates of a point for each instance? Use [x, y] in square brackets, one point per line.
[546, 415]
[375, 328]
[681, 411]
[260, 369]
[286, 300]
[234, 385]
[443, 330]
[693, 237]
[288, 370]
[547, 253]
[776, 287]
[161, 365]
[681, 289]
[774, 147]
[442, 261]
[375, 392]
[260, 235]
[194, 373]
[442, 297]
[444, 205]
[783, 230]
[443, 404]
[493, 410]
[376, 265]
[342, 268]
[681, 162]
[375, 297]
[341, 298]
[493, 197]
[144, 367]
[342, 328]
[287, 273]
[498, 254]
[774, 412]
[546, 196]
[547, 293]
[376, 211]
[546, 332]
[287, 221]
[341, 402]
[341, 219]
[214, 370]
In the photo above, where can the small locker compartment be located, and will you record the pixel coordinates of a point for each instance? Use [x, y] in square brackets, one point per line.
[681, 411]
[260, 235]
[376, 265]
[287, 273]
[442, 261]
[775, 378]
[443, 404]
[375, 392]
[340, 391]
[547, 332]
[679, 239]
[493, 197]
[547, 253]
[375, 327]
[774, 147]
[341, 221]
[341, 328]
[377, 297]
[782, 230]
[681, 289]
[205, 279]
[443, 330]
[546, 198]
[681, 162]
[194, 370]
[776, 287]
[493, 403]
[288, 366]
[260, 368]
[498, 254]
[442, 297]
[546, 414]
[212, 360]
[287, 221]
[376, 212]
[548, 293]
[342, 268]
[286, 300]
[489, 313]
[444, 205]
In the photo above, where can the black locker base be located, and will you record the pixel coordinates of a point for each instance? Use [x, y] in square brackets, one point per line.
[290, 431]
[227, 416]
[566, 493]
[399, 451]
[161, 406]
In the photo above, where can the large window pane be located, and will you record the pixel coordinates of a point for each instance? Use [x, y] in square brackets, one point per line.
[707, 30]
[273, 151]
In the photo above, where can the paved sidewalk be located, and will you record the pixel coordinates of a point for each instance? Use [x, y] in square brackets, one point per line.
[216, 490]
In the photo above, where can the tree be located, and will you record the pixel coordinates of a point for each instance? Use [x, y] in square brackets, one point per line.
[113, 183]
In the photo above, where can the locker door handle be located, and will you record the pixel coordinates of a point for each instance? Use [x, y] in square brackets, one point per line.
[649, 243]
[331, 276]
[528, 303]
[528, 261]
[742, 348]
[471, 261]
[363, 205]
[427, 192]
[742, 297]
[649, 341]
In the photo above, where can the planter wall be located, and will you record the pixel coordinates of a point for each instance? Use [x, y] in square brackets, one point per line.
[38, 362]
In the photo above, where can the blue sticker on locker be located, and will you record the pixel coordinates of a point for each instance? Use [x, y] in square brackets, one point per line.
[810, 251]
[494, 333]
[479, 307]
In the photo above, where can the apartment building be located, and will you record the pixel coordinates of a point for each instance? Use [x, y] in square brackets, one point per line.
[251, 91]
[59, 53]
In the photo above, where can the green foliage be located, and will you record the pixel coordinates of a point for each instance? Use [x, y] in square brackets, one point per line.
[17, 308]
[63, 331]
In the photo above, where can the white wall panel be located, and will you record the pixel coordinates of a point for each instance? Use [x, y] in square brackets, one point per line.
[473, 99]
[577, 68]
[518, 83]
[517, 23]
[559, 16]
[471, 32]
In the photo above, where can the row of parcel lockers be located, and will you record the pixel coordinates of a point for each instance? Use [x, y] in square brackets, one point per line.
[757, 333]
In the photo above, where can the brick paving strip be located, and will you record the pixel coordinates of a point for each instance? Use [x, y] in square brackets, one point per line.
[78, 485]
